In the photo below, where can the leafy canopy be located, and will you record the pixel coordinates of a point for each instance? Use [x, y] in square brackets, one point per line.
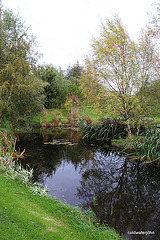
[126, 68]
[21, 92]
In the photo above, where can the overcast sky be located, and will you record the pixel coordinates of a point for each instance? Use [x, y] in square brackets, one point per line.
[64, 27]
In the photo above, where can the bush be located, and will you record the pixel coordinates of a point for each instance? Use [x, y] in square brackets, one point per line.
[56, 88]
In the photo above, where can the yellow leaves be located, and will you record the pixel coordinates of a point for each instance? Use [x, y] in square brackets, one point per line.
[143, 158]
[69, 103]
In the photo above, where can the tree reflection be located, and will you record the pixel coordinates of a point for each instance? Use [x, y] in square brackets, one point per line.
[45, 159]
[121, 193]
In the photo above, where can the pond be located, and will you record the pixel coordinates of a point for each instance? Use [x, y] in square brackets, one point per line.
[123, 193]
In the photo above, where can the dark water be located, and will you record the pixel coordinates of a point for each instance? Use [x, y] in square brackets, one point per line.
[123, 193]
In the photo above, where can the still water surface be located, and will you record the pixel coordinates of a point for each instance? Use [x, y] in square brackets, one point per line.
[123, 193]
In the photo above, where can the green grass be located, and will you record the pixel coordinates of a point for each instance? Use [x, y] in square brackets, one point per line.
[85, 111]
[88, 111]
[62, 114]
[27, 216]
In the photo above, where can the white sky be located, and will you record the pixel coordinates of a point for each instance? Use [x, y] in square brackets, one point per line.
[64, 27]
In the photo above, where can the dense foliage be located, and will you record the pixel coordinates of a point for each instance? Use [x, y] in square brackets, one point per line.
[21, 92]
[56, 89]
[127, 69]
[92, 87]
[72, 75]
[120, 77]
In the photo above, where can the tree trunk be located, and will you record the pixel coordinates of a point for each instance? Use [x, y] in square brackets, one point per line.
[128, 122]
[129, 129]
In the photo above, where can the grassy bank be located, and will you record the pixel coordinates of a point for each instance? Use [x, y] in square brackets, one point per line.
[82, 112]
[26, 212]
[27, 216]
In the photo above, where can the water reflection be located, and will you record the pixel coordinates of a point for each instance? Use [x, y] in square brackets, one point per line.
[123, 194]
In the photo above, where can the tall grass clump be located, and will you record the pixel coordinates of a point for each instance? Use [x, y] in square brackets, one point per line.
[55, 120]
[147, 146]
[103, 132]
[9, 165]
[45, 118]
[7, 144]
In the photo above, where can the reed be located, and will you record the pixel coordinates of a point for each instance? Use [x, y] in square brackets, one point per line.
[45, 118]
[75, 115]
[7, 144]
[88, 120]
[69, 122]
[55, 120]
[147, 146]
[103, 132]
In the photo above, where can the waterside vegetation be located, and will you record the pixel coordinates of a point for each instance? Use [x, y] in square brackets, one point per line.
[147, 146]
[26, 212]
[119, 80]
[144, 143]
[27, 216]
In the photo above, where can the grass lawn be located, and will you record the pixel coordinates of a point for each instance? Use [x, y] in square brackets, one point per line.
[87, 111]
[62, 114]
[84, 111]
[27, 216]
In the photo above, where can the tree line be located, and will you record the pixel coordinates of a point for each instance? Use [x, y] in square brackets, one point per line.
[119, 77]
[25, 86]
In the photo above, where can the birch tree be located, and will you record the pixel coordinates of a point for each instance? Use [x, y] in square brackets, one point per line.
[116, 58]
